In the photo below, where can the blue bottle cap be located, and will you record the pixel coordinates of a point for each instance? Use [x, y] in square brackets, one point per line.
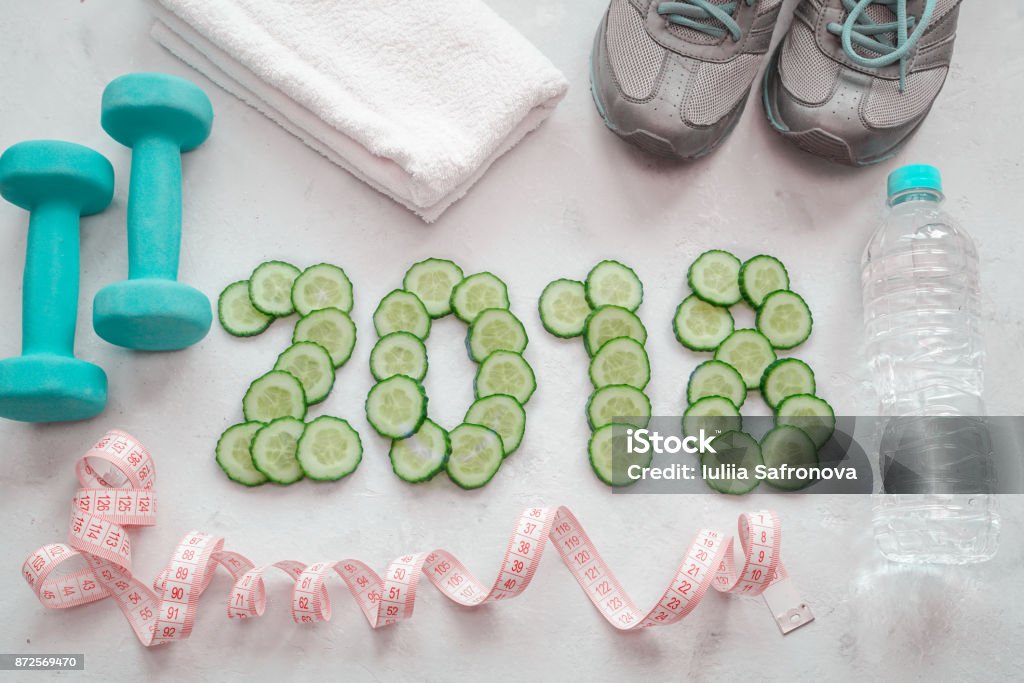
[914, 177]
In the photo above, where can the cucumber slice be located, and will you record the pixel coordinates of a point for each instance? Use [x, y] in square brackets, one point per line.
[396, 407]
[421, 456]
[714, 415]
[700, 326]
[399, 353]
[615, 284]
[714, 277]
[432, 280]
[311, 364]
[618, 403]
[609, 456]
[811, 414]
[332, 329]
[715, 378]
[749, 352]
[329, 449]
[236, 313]
[495, 329]
[401, 311]
[760, 276]
[788, 445]
[504, 372]
[784, 378]
[620, 361]
[564, 308]
[475, 457]
[608, 322]
[785, 319]
[503, 415]
[477, 293]
[737, 449]
[270, 288]
[275, 394]
[322, 286]
[234, 454]
[274, 448]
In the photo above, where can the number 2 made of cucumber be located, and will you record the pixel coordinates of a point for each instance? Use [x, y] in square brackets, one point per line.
[273, 443]
[396, 405]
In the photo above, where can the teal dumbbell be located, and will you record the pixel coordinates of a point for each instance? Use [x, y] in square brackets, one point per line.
[159, 117]
[57, 182]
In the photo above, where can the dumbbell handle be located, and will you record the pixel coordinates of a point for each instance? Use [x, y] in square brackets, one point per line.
[50, 286]
[154, 209]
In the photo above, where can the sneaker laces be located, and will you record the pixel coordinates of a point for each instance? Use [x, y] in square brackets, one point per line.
[861, 30]
[703, 16]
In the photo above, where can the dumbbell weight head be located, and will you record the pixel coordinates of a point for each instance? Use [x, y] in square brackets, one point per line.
[158, 116]
[140, 105]
[57, 182]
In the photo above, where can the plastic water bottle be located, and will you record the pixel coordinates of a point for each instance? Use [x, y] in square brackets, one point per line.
[922, 316]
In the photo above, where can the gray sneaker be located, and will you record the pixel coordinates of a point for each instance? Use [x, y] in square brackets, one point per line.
[673, 77]
[848, 85]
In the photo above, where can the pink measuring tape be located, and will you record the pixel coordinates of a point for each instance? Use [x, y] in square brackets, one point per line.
[117, 477]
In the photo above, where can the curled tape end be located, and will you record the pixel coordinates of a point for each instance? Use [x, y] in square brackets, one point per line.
[787, 607]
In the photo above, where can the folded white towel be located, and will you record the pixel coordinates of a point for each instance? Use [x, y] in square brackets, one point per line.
[416, 99]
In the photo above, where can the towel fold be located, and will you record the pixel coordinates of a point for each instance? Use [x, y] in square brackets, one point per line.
[416, 99]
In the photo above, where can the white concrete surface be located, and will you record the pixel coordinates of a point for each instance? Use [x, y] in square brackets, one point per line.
[570, 195]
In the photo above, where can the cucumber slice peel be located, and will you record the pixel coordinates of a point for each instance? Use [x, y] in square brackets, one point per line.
[322, 286]
[234, 454]
[609, 322]
[700, 326]
[784, 319]
[713, 415]
[609, 456]
[504, 372]
[274, 450]
[737, 449]
[420, 456]
[809, 413]
[564, 308]
[311, 364]
[329, 449]
[715, 378]
[476, 455]
[749, 352]
[619, 403]
[477, 293]
[401, 311]
[432, 280]
[501, 414]
[332, 329]
[615, 284]
[236, 313]
[399, 353]
[495, 329]
[274, 395]
[788, 445]
[760, 276]
[270, 288]
[714, 277]
[620, 361]
[396, 407]
[784, 378]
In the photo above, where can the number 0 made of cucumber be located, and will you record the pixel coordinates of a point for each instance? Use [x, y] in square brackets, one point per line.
[397, 405]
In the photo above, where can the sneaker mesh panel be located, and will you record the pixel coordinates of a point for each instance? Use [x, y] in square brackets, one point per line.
[806, 72]
[635, 57]
[887, 107]
[717, 88]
